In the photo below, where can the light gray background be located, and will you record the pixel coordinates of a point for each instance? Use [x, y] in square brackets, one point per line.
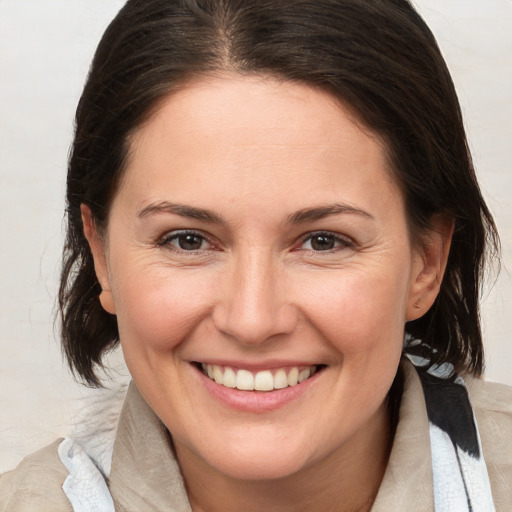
[45, 50]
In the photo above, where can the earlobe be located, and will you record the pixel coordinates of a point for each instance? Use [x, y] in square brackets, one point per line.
[97, 247]
[429, 265]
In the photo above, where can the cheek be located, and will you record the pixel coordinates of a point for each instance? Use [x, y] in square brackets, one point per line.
[358, 311]
[158, 308]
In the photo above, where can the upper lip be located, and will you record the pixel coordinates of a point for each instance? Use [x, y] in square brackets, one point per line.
[273, 364]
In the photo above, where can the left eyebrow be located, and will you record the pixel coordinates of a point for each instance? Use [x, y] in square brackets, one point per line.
[182, 210]
[317, 213]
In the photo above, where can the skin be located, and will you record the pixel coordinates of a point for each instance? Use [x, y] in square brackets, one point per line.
[254, 151]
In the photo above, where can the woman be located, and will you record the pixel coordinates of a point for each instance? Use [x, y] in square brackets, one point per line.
[263, 199]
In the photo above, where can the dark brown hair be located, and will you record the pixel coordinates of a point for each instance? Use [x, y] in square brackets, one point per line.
[377, 56]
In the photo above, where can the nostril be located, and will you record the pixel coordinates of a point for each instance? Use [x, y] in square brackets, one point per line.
[253, 324]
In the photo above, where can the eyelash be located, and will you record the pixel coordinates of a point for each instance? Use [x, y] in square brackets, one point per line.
[340, 242]
[167, 240]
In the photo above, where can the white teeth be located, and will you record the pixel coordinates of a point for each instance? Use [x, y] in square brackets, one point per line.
[229, 379]
[259, 381]
[264, 381]
[244, 380]
[280, 381]
[293, 377]
[218, 374]
[304, 374]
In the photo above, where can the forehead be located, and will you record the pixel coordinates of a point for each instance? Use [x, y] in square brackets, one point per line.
[235, 137]
[251, 108]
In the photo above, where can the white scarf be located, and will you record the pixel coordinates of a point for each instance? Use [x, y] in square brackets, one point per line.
[461, 481]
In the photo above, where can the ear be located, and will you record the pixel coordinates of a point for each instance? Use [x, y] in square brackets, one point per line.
[430, 257]
[98, 251]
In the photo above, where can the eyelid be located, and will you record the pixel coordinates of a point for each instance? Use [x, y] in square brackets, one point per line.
[166, 239]
[169, 236]
[344, 241]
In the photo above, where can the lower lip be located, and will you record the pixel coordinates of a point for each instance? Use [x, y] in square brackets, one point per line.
[256, 401]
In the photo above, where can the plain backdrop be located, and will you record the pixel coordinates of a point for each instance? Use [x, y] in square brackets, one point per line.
[45, 50]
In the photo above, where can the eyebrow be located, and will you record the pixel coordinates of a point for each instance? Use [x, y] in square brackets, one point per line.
[182, 210]
[299, 217]
[318, 213]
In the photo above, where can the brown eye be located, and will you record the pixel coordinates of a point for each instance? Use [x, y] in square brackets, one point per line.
[323, 242]
[185, 241]
[190, 242]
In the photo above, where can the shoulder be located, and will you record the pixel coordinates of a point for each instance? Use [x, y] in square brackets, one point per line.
[490, 395]
[492, 404]
[36, 484]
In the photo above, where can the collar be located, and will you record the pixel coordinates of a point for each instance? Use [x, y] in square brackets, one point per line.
[408, 481]
[145, 474]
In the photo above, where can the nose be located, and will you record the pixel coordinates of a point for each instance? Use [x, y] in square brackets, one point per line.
[254, 306]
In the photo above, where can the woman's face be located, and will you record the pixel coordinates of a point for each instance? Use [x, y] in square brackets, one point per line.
[258, 236]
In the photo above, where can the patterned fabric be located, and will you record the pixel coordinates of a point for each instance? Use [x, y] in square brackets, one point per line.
[461, 482]
[85, 486]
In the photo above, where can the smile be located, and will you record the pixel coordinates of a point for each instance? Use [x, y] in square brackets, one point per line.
[266, 380]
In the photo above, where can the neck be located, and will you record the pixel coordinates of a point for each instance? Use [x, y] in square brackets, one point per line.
[347, 480]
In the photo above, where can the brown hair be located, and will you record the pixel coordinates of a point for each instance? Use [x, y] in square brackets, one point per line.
[378, 56]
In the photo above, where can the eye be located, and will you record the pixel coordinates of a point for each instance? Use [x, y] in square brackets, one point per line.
[319, 242]
[185, 241]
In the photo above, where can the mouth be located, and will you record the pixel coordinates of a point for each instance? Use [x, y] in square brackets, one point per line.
[265, 380]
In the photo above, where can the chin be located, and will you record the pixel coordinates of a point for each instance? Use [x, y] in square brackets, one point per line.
[260, 460]
[272, 467]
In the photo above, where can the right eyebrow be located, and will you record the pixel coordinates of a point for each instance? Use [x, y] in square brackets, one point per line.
[182, 210]
[318, 213]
